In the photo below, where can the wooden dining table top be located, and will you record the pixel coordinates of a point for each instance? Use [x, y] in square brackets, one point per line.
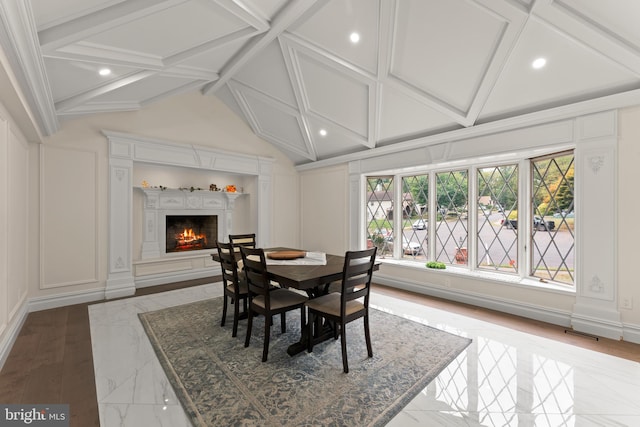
[306, 277]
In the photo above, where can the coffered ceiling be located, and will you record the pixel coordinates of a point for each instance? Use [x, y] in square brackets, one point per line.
[290, 69]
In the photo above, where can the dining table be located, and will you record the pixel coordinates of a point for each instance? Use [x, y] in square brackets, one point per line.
[314, 279]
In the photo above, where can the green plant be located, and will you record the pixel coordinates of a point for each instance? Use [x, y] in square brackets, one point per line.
[436, 264]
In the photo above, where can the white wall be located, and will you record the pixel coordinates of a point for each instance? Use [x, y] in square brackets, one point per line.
[628, 212]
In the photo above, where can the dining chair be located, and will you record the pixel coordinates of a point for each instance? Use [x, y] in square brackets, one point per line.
[234, 284]
[264, 300]
[351, 303]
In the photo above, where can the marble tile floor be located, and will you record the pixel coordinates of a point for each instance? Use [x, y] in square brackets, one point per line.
[505, 378]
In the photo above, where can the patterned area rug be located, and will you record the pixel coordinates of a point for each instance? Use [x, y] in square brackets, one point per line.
[221, 383]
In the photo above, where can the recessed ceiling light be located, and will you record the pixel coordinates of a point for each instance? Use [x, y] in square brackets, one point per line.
[539, 63]
[104, 71]
[323, 132]
[354, 37]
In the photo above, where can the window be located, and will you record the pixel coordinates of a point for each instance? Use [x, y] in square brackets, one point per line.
[451, 217]
[470, 218]
[553, 234]
[380, 214]
[415, 199]
[497, 202]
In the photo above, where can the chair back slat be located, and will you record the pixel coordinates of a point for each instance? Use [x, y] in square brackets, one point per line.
[255, 269]
[242, 240]
[357, 275]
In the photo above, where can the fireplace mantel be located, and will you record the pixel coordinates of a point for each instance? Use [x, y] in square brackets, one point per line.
[159, 203]
[125, 151]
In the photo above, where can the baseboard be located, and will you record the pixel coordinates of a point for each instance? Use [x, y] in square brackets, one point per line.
[543, 314]
[12, 332]
[178, 276]
[62, 300]
[631, 333]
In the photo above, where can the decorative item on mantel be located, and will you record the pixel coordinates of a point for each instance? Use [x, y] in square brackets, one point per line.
[213, 187]
[230, 188]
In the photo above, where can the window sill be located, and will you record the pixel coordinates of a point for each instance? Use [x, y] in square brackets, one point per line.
[506, 279]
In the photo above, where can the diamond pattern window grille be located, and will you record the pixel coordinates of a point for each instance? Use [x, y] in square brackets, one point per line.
[415, 196]
[380, 214]
[497, 205]
[452, 210]
[553, 231]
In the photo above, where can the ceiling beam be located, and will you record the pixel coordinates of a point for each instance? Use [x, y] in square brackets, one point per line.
[289, 14]
[74, 101]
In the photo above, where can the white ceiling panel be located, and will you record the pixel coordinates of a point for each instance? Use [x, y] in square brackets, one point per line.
[329, 139]
[48, 13]
[335, 96]
[214, 59]
[289, 69]
[267, 73]
[274, 121]
[618, 18]
[346, 17]
[444, 48]
[402, 116]
[573, 71]
[153, 35]
[76, 76]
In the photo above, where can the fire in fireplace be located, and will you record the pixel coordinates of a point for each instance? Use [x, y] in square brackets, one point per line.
[191, 232]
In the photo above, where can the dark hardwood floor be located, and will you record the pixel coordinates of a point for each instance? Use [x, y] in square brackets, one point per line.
[51, 361]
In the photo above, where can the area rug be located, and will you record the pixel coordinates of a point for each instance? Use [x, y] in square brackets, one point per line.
[219, 382]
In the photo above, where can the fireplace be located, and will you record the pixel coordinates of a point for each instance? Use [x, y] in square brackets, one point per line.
[191, 232]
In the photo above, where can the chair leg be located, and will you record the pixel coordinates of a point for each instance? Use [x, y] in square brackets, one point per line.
[367, 336]
[343, 341]
[236, 315]
[265, 349]
[224, 310]
[310, 332]
[283, 322]
[249, 327]
[303, 318]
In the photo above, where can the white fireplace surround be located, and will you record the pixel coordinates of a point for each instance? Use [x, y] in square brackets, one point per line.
[125, 150]
[160, 203]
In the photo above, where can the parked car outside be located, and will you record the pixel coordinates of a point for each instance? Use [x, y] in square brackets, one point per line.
[409, 248]
[538, 224]
[420, 224]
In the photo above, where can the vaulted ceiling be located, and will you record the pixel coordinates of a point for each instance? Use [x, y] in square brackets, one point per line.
[290, 69]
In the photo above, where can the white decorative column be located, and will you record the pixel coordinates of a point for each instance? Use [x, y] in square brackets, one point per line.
[120, 280]
[596, 309]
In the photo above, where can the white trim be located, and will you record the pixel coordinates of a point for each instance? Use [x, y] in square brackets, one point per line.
[164, 278]
[631, 333]
[65, 299]
[11, 333]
